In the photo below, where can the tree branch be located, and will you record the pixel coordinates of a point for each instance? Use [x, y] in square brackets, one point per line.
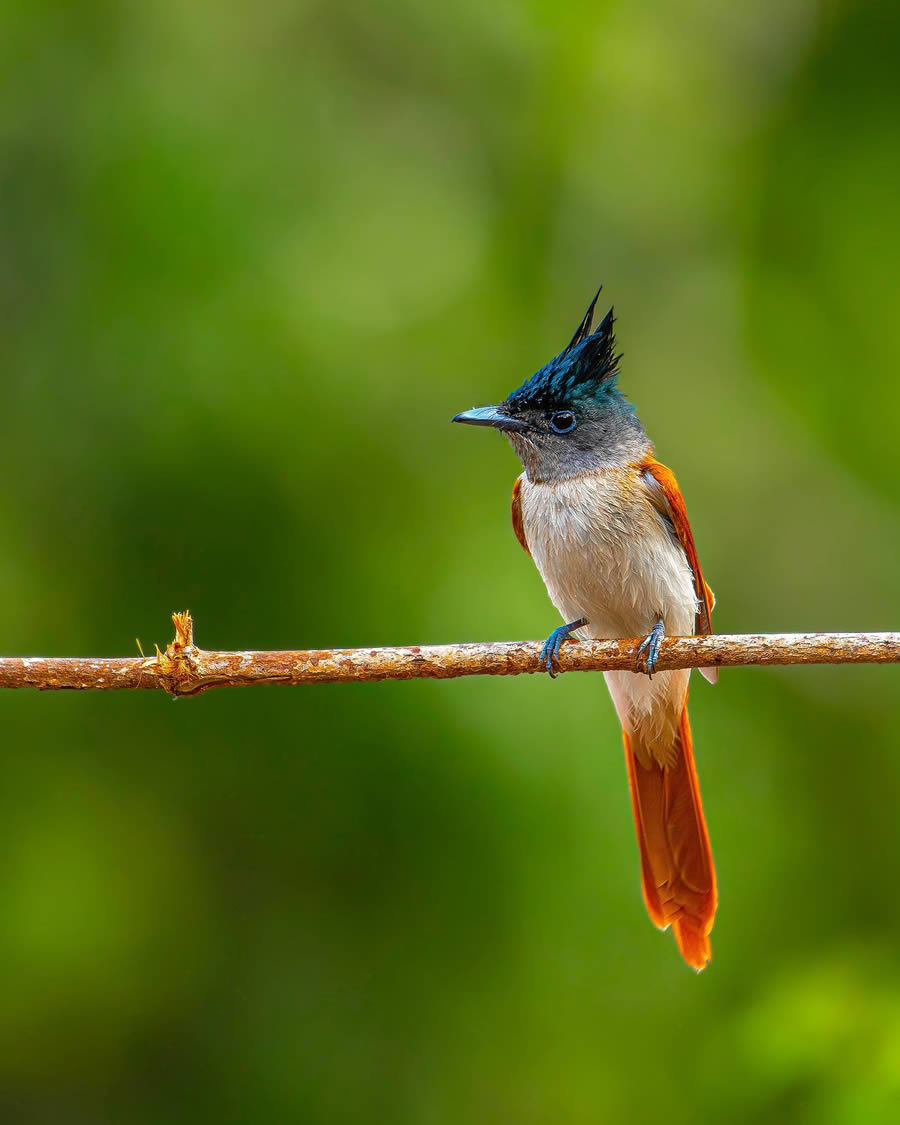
[184, 669]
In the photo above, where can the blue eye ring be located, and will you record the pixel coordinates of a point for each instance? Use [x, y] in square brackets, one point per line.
[563, 422]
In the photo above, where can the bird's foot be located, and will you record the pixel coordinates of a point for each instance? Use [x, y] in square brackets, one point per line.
[552, 645]
[650, 644]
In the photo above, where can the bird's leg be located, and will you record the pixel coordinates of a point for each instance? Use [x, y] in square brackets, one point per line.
[650, 644]
[553, 643]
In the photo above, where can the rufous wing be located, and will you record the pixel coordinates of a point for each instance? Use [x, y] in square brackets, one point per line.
[517, 521]
[665, 494]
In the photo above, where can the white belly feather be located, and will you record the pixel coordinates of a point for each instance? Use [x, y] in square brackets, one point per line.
[605, 553]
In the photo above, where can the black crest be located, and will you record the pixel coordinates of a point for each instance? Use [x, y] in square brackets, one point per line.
[585, 371]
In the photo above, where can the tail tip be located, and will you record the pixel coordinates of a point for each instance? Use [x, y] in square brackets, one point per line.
[693, 943]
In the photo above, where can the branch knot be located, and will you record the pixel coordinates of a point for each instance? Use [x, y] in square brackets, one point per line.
[177, 669]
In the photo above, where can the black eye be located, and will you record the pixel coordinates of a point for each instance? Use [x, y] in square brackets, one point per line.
[563, 421]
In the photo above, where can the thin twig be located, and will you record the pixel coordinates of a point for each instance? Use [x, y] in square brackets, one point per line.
[184, 669]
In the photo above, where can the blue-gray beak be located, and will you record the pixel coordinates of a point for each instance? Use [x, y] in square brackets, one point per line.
[490, 416]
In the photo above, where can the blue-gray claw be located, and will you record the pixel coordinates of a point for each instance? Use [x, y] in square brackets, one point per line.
[650, 644]
[552, 645]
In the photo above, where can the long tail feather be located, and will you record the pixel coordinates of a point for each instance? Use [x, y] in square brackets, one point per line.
[679, 880]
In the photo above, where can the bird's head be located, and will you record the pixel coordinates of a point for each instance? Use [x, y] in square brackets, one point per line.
[569, 417]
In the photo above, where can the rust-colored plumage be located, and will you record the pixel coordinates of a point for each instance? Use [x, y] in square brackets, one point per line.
[677, 873]
[672, 504]
[518, 525]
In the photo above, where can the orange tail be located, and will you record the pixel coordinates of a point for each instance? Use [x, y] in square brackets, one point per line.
[677, 870]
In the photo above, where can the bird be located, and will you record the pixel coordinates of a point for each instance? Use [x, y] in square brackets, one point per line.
[606, 525]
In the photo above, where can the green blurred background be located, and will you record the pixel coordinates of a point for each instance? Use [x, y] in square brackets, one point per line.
[253, 257]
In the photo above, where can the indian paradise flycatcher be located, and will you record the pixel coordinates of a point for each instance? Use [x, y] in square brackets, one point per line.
[607, 527]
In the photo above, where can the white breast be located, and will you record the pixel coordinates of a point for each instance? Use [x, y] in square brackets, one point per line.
[606, 554]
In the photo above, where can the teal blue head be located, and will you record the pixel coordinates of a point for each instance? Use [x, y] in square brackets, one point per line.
[570, 417]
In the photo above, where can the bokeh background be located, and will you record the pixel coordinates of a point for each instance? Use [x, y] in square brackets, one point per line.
[253, 257]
